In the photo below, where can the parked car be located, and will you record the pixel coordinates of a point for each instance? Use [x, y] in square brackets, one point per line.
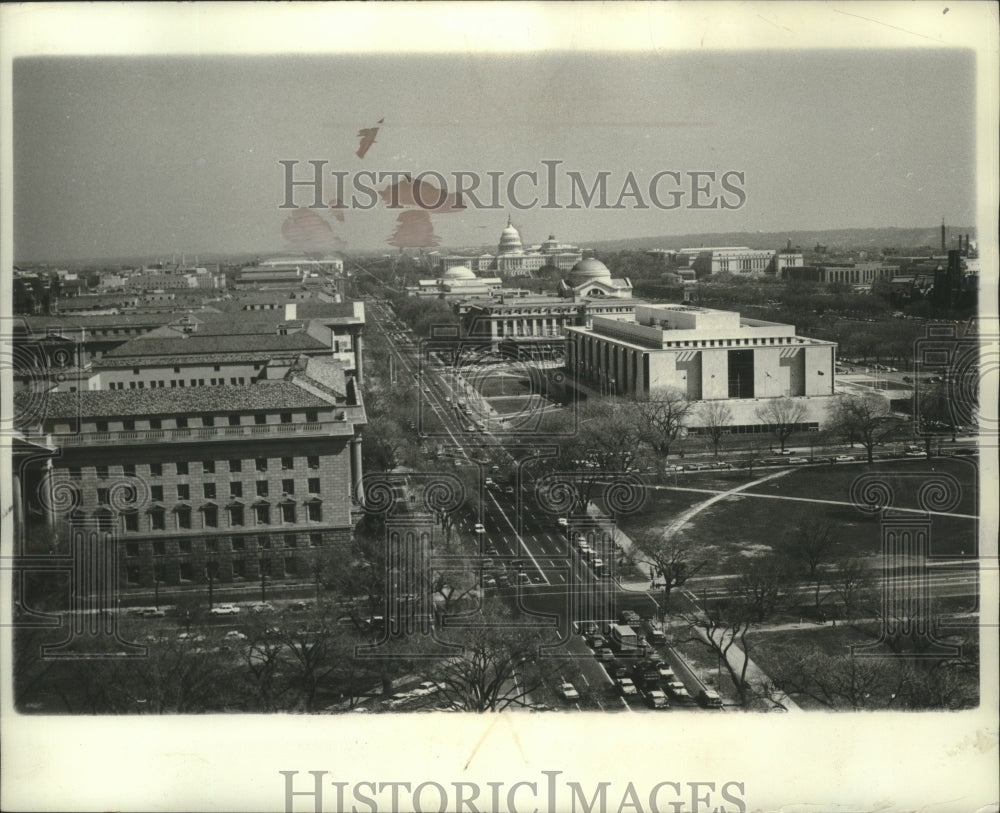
[234, 635]
[153, 613]
[426, 688]
[225, 609]
[596, 642]
[523, 578]
[665, 671]
[709, 698]
[480, 528]
[843, 458]
[261, 607]
[567, 691]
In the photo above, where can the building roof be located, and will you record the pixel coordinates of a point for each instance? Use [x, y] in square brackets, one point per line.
[264, 395]
[589, 270]
[192, 344]
[458, 272]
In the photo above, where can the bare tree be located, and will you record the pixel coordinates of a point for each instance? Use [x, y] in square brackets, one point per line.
[864, 419]
[850, 580]
[812, 545]
[661, 415]
[759, 588]
[499, 667]
[841, 681]
[716, 417]
[783, 415]
[724, 629]
[673, 559]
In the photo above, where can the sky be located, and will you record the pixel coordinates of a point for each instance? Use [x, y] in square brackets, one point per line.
[155, 156]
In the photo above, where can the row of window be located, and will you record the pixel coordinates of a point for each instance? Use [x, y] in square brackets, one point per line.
[287, 513]
[158, 547]
[178, 382]
[181, 572]
[210, 491]
[183, 468]
[184, 422]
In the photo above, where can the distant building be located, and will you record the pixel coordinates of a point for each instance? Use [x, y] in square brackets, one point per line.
[458, 282]
[861, 273]
[512, 259]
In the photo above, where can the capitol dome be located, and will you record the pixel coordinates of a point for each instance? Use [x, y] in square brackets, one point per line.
[589, 270]
[458, 272]
[510, 239]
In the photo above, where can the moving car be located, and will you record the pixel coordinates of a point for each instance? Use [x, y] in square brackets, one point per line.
[843, 458]
[225, 609]
[627, 687]
[656, 699]
[567, 691]
[709, 698]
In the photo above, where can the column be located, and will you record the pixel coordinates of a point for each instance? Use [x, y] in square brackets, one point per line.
[358, 356]
[356, 472]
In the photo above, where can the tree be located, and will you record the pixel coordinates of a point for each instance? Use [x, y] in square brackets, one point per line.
[500, 665]
[865, 419]
[759, 587]
[723, 629]
[673, 559]
[812, 545]
[716, 417]
[661, 416]
[850, 580]
[783, 415]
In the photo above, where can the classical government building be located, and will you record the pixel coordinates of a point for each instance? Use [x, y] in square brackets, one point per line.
[512, 259]
[710, 355]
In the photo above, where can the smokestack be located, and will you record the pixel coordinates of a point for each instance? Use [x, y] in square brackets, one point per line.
[944, 247]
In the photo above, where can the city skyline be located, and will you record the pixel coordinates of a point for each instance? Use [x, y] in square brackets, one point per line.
[184, 152]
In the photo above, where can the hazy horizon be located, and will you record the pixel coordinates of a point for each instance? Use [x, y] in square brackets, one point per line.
[155, 156]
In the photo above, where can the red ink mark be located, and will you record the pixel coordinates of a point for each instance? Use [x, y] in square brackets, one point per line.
[367, 136]
[414, 230]
[307, 231]
[422, 195]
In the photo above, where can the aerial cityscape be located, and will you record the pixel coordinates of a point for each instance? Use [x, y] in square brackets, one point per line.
[419, 409]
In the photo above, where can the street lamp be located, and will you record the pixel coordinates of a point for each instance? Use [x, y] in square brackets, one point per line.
[211, 570]
[262, 562]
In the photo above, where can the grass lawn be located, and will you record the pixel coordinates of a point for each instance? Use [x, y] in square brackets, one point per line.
[741, 525]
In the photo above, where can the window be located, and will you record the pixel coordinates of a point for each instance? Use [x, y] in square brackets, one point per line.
[288, 486]
[236, 489]
[288, 512]
[264, 542]
[128, 425]
[316, 540]
[182, 422]
[234, 420]
[236, 515]
[262, 513]
[156, 423]
[183, 491]
[102, 472]
[130, 521]
[187, 572]
[314, 485]
[286, 417]
[75, 472]
[132, 574]
[155, 469]
[216, 368]
[182, 469]
[315, 512]
[156, 493]
[184, 546]
[313, 461]
[131, 548]
[208, 491]
[261, 418]
[239, 569]
[159, 547]
[208, 466]
[261, 463]
[235, 465]
[208, 420]
[104, 496]
[291, 541]
[184, 520]
[291, 567]
[211, 514]
[239, 543]
[102, 426]
[177, 369]
[287, 463]
[157, 521]
[212, 545]
[312, 416]
[262, 488]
